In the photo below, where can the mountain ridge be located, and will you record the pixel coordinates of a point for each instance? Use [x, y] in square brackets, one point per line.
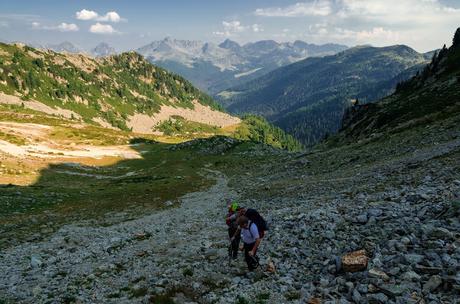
[111, 90]
[307, 98]
[431, 95]
[213, 67]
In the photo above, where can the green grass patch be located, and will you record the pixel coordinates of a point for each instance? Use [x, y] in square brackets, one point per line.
[17, 140]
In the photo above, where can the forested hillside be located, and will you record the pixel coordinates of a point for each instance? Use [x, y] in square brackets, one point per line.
[431, 96]
[110, 89]
[307, 98]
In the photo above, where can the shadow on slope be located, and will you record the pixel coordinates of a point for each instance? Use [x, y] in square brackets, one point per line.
[70, 192]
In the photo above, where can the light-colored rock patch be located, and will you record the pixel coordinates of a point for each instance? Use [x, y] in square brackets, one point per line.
[45, 151]
[27, 129]
[35, 55]
[142, 123]
[37, 106]
[82, 62]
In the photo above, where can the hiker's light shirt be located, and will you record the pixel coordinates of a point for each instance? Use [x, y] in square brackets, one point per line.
[250, 237]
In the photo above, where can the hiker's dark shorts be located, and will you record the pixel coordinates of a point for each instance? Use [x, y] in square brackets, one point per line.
[252, 261]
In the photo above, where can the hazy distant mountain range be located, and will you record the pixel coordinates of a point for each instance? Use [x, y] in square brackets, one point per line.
[214, 68]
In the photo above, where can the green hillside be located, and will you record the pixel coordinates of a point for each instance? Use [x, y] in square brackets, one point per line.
[431, 96]
[111, 88]
[307, 98]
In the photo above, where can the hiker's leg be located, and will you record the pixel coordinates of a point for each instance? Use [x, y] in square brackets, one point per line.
[235, 246]
[235, 243]
[252, 264]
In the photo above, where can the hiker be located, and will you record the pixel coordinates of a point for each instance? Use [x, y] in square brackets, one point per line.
[231, 221]
[251, 241]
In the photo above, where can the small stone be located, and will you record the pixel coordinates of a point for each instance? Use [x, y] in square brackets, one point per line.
[356, 296]
[392, 290]
[377, 298]
[394, 271]
[375, 212]
[411, 276]
[378, 274]
[441, 233]
[362, 218]
[413, 258]
[405, 240]
[35, 262]
[433, 283]
[354, 261]
[36, 291]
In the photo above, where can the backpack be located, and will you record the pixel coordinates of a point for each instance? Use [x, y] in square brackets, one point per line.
[257, 219]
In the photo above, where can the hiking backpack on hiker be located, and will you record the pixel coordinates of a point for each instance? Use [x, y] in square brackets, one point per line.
[258, 220]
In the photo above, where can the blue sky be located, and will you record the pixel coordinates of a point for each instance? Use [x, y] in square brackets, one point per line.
[422, 24]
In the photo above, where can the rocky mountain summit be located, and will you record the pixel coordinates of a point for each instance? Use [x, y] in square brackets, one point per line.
[102, 50]
[214, 68]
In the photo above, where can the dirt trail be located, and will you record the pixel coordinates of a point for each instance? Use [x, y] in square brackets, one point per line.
[95, 263]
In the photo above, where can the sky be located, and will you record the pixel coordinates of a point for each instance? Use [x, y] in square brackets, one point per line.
[422, 24]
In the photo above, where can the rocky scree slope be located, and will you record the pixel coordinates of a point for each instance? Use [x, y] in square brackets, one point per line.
[396, 197]
[307, 98]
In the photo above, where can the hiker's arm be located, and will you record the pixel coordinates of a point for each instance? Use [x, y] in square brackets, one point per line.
[256, 245]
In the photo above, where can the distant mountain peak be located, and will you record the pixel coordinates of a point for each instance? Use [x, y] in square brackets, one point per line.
[65, 46]
[229, 45]
[215, 67]
[103, 49]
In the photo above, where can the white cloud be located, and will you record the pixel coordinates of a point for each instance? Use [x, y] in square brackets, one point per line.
[4, 24]
[63, 27]
[232, 28]
[301, 9]
[111, 16]
[86, 15]
[67, 27]
[100, 28]
[423, 24]
[256, 28]
[412, 13]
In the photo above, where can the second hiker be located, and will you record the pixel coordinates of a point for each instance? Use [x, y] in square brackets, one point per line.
[233, 233]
